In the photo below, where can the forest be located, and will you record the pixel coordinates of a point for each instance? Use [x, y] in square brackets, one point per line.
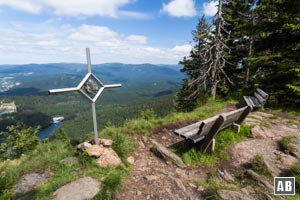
[248, 44]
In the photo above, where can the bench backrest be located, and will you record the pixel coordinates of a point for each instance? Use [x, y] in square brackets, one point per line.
[261, 96]
[236, 116]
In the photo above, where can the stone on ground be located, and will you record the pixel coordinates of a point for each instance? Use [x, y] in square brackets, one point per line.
[130, 160]
[29, 181]
[233, 195]
[109, 158]
[83, 146]
[80, 189]
[105, 142]
[294, 147]
[95, 150]
[70, 161]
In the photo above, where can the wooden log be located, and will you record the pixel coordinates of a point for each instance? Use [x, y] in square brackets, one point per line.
[167, 154]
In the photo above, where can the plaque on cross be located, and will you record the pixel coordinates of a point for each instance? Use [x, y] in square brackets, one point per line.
[91, 88]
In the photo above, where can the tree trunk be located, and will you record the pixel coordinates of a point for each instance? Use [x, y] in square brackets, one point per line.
[247, 69]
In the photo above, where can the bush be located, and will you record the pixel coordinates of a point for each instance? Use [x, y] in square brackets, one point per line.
[296, 173]
[19, 140]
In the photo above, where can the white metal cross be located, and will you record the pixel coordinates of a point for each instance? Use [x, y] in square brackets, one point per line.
[91, 88]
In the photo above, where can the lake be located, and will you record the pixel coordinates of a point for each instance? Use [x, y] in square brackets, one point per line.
[48, 131]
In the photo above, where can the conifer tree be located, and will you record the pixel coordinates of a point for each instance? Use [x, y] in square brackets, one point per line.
[195, 66]
[277, 50]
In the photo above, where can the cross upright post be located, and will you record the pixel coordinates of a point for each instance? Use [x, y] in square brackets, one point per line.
[91, 88]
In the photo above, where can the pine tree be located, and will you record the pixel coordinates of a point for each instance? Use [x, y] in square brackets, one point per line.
[195, 66]
[277, 50]
[240, 17]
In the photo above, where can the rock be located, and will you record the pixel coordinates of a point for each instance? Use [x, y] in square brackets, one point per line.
[251, 122]
[167, 154]
[83, 146]
[267, 196]
[262, 114]
[95, 150]
[259, 132]
[294, 146]
[70, 161]
[248, 190]
[106, 142]
[225, 176]
[109, 158]
[138, 193]
[29, 181]
[233, 195]
[80, 189]
[130, 160]
[179, 183]
[163, 137]
[271, 167]
[260, 179]
[150, 177]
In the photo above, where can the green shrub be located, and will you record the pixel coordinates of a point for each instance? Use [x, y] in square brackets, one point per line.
[296, 173]
[19, 140]
[123, 145]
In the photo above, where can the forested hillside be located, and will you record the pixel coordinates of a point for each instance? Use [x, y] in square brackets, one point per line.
[249, 44]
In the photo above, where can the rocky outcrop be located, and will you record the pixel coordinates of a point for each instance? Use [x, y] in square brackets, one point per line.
[105, 155]
[109, 158]
[233, 195]
[80, 189]
[30, 181]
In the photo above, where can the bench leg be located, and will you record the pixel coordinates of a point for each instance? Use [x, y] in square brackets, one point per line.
[236, 127]
[212, 145]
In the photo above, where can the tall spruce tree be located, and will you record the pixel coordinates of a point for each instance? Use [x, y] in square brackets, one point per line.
[195, 66]
[238, 15]
[276, 55]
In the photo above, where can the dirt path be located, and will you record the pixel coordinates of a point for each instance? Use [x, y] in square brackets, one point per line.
[153, 178]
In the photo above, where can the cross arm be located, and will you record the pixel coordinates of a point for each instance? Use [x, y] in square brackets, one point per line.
[63, 90]
[112, 85]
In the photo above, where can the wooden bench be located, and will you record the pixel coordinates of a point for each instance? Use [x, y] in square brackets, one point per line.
[205, 131]
[258, 100]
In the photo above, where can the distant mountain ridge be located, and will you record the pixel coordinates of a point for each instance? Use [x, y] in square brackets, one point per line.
[42, 77]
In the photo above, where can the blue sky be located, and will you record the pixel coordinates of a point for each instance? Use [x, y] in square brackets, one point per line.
[128, 31]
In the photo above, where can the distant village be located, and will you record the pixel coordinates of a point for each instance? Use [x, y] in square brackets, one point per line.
[7, 108]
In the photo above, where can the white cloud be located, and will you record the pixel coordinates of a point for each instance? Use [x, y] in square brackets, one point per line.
[93, 34]
[139, 39]
[26, 6]
[180, 8]
[186, 48]
[210, 8]
[49, 43]
[75, 8]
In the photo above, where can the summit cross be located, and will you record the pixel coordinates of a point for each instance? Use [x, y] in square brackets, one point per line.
[91, 88]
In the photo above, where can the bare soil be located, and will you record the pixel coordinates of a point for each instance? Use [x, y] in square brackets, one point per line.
[155, 178]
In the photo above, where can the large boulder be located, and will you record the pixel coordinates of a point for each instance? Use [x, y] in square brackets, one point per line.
[109, 158]
[80, 189]
[30, 181]
[95, 150]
